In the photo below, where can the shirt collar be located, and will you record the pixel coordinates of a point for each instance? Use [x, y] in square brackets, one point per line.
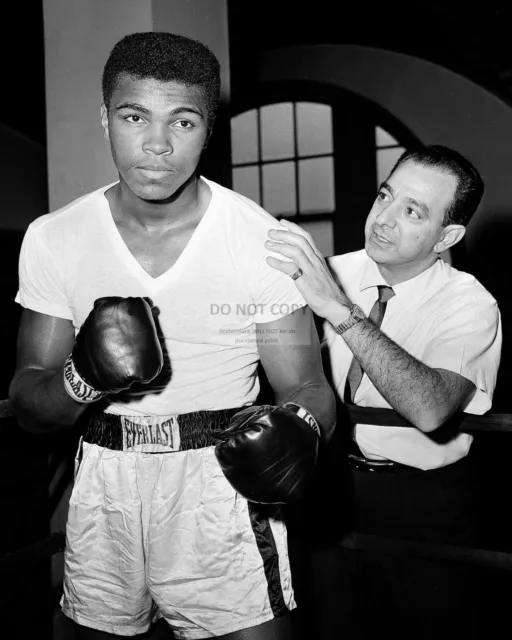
[406, 293]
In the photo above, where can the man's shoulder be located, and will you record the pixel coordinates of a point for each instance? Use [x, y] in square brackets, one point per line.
[69, 215]
[463, 286]
[240, 209]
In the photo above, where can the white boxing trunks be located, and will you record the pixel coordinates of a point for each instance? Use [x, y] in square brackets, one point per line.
[155, 530]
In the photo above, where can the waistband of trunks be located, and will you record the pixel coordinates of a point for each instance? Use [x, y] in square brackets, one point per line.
[196, 430]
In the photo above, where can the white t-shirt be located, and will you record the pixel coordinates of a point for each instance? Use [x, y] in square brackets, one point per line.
[210, 300]
[444, 318]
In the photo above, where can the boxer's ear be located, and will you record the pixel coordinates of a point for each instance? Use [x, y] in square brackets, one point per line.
[104, 122]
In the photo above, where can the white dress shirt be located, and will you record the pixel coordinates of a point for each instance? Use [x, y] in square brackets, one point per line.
[443, 317]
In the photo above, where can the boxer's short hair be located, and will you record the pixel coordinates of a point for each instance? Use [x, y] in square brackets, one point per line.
[166, 57]
[470, 185]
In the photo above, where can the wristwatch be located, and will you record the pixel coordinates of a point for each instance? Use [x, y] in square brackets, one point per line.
[356, 315]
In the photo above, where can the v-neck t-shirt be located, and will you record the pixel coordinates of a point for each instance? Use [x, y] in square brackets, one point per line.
[210, 300]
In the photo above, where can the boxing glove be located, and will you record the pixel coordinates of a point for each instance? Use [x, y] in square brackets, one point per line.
[116, 346]
[268, 454]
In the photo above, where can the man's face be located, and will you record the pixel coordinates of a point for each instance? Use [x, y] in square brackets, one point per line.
[157, 131]
[405, 226]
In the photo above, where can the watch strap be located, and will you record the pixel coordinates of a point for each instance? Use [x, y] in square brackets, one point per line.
[356, 315]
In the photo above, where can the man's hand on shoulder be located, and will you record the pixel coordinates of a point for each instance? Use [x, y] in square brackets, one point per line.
[310, 271]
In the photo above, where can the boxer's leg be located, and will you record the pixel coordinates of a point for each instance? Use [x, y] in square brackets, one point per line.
[277, 629]
[85, 633]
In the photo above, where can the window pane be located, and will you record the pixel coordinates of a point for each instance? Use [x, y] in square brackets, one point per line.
[244, 137]
[277, 131]
[386, 159]
[383, 139]
[279, 188]
[316, 185]
[314, 128]
[246, 180]
[323, 235]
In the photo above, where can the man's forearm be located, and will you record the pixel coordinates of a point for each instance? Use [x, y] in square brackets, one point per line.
[41, 403]
[419, 393]
[318, 398]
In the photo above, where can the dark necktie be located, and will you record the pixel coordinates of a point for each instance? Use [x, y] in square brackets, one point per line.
[355, 373]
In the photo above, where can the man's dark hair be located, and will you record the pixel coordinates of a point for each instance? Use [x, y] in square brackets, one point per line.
[470, 186]
[166, 57]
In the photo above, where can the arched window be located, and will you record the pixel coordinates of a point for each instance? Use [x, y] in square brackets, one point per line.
[316, 160]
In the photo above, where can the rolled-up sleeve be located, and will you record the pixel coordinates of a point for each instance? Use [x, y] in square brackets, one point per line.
[468, 342]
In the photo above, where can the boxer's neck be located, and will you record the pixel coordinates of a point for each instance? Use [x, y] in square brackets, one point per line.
[187, 205]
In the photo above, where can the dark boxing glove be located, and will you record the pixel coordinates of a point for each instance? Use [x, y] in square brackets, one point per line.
[116, 346]
[268, 454]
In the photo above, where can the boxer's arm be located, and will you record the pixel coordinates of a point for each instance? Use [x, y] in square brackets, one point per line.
[289, 350]
[39, 399]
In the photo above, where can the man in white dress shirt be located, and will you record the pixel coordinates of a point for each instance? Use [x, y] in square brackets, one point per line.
[419, 343]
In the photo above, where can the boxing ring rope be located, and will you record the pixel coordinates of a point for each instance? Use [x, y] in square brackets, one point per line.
[45, 548]
[491, 422]
[467, 555]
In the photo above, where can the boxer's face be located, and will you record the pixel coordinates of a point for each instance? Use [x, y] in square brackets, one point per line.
[157, 131]
[404, 229]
